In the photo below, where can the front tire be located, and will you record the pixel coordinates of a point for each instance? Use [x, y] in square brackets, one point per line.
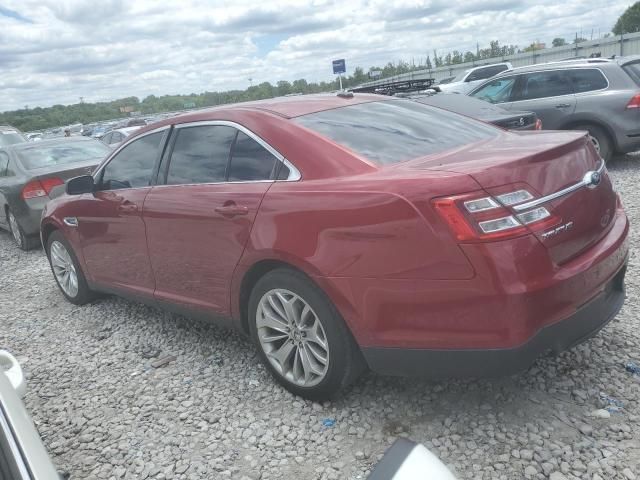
[67, 271]
[600, 139]
[300, 336]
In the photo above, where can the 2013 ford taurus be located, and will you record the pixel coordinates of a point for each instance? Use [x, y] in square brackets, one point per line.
[342, 232]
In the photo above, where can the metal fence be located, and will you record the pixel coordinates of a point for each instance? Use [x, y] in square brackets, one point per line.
[627, 44]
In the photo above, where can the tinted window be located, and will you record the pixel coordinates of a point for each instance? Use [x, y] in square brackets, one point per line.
[545, 84]
[133, 166]
[633, 70]
[4, 163]
[200, 154]
[37, 155]
[250, 160]
[396, 130]
[496, 91]
[587, 80]
[107, 138]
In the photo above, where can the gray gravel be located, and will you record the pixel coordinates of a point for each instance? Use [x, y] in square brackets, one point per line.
[214, 412]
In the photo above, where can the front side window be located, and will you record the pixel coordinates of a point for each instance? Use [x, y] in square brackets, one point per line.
[133, 166]
[545, 84]
[587, 80]
[392, 131]
[250, 160]
[200, 154]
[496, 91]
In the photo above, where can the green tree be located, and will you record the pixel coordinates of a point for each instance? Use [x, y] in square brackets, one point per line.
[558, 42]
[629, 21]
[429, 66]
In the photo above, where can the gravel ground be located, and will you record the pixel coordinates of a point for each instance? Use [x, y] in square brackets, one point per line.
[214, 412]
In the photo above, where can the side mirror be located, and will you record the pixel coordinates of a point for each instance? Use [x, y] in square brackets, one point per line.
[80, 185]
[407, 460]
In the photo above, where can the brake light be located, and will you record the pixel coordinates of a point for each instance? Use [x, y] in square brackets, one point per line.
[476, 217]
[538, 124]
[634, 102]
[40, 188]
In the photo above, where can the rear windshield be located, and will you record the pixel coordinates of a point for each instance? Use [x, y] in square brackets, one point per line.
[393, 131]
[39, 156]
[633, 70]
[9, 137]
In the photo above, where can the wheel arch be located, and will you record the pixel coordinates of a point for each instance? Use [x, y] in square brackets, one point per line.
[250, 275]
[46, 230]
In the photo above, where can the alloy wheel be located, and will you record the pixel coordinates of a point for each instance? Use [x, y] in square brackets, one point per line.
[64, 269]
[15, 229]
[596, 142]
[292, 337]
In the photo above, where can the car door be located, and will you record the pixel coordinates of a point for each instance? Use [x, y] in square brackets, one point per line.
[109, 222]
[547, 93]
[199, 222]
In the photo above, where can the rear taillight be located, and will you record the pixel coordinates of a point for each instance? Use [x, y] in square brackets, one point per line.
[477, 217]
[538, 124]
[634, 102]
[40, 188]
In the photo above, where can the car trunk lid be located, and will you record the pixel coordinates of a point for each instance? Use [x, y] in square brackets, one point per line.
[544, 163]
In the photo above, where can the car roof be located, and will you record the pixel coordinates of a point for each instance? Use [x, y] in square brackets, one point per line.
[128, 130]
[45, 143]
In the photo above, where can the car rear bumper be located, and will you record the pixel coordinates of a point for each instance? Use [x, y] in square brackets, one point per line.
[560, 336]
[28, 213]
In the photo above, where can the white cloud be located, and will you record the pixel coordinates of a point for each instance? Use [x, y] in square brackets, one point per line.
[55, 51]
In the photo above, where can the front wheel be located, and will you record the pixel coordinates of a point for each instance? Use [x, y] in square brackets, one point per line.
[300, 336]
[66, 270]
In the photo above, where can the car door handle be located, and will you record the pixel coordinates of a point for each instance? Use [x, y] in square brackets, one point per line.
[232, 210]
[563, 105]
[127, 207]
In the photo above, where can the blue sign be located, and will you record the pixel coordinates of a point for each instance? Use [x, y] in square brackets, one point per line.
[339, 66]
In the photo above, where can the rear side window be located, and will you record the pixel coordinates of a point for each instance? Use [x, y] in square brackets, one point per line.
[200, 154]
[393, 131]
[587, 80]
[133, 166]
[484, 73]
[545, 84]
[250, 161]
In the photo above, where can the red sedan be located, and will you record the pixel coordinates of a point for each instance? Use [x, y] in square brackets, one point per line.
[345, 232]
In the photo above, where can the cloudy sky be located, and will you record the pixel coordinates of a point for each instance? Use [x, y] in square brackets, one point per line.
[57, 51]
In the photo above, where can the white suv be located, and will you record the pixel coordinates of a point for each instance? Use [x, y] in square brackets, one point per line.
[465, 81]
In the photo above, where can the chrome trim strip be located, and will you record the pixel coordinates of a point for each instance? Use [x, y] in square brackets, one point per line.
[585, 182]
[70, 221]
[13, 446]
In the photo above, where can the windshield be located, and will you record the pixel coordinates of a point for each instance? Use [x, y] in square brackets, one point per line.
[10, 137]
[394, 131]
[496, 91]
[38, 156]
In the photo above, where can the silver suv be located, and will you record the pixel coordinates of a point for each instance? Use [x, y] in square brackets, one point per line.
[596, 95]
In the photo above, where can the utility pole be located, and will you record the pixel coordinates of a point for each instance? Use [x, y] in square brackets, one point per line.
[81, 99]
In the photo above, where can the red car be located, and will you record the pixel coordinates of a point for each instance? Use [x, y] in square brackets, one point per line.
[344, 232]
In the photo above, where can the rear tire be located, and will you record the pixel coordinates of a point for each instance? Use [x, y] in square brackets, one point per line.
[20, 238]
[300, 336]
[67, 271]
[600, 138]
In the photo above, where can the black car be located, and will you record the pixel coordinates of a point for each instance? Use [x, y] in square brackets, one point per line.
[29, 171]
[480, 110]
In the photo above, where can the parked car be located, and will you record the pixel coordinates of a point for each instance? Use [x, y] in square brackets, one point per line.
[599, 96]
[30, 171]
[341, 232]
[10, 136]
[480, 110]
[115, 137]
[467, 80]
[22, 454]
